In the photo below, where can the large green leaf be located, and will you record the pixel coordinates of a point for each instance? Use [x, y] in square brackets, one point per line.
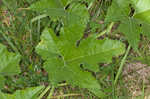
[9, 63]
[29, 93]
[63, 57]
[130, 26]
[142, 8]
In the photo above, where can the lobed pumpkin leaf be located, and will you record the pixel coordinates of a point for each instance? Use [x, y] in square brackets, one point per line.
[63, 57]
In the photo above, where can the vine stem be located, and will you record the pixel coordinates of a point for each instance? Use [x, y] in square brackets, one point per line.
[121, 65]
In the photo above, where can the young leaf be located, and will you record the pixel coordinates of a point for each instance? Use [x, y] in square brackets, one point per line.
[9, 63]
[29, 93]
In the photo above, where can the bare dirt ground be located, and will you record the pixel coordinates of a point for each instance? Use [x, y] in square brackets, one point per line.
[137, 76]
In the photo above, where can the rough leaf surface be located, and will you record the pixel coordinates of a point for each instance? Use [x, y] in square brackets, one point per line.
[63, 58]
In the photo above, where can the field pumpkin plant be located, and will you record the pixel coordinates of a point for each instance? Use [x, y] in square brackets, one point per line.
[47, 46]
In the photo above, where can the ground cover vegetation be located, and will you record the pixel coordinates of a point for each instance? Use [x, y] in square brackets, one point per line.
[73, 49]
